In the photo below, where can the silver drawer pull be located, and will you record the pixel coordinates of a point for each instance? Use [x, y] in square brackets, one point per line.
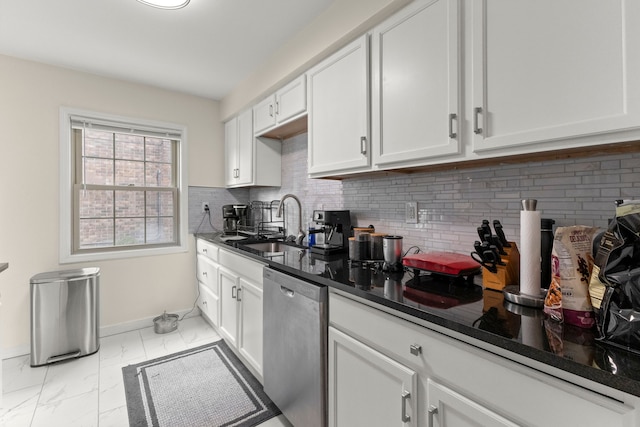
[204, 250]
[405, 396]
[238, 295]
[363, 145]
[233, 292]
[415, 349]
[433, 410]
[204, 273]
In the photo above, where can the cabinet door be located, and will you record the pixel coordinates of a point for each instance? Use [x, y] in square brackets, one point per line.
[231, 151]
[544, 70]
[446, 408]
[416, 77]
[228, 305]
[250, 333]
[291, 100]
[245, 149]
[208, 304]
[367, 388]
[338, 121]
[264, 115]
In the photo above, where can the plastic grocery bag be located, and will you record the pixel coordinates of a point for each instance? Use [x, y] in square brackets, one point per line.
[614, 285]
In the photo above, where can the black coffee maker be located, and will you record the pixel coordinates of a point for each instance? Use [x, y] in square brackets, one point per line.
[234, 217]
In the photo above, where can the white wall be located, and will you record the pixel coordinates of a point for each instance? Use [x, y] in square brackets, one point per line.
[30, 97]
[340, 23]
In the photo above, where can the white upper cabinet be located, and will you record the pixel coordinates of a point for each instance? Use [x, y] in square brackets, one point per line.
[338, 121]
[250, 161]
[286, 104]
[415, 62]
[551, 72]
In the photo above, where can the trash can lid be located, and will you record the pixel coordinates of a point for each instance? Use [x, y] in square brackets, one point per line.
[65, 275]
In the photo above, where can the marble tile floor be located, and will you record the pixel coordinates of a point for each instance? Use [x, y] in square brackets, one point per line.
[89, 391]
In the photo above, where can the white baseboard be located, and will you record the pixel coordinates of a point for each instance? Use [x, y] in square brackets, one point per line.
[103, 331]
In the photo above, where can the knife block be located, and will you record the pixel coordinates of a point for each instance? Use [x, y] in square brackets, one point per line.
[506, 275]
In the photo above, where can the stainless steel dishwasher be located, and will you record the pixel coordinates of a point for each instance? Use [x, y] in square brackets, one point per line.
[295, 347]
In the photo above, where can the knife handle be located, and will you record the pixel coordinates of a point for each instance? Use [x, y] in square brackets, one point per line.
[500, 234]
[481, 234]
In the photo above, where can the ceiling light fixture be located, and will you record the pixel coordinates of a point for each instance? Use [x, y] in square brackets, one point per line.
[166, 4]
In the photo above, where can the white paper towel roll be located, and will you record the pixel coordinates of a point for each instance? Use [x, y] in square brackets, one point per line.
[530, 253]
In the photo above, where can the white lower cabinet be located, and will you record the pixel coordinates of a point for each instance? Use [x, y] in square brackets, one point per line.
[367, 388]
[207, 272]
[241, 307]
[458, 384]
[231, 299]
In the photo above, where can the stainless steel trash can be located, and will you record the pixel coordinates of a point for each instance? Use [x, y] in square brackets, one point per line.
[64, 315]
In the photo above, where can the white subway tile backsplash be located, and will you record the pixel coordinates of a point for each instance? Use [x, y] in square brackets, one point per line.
[451, 204]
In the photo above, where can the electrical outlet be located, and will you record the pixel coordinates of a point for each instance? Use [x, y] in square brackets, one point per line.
[205, 207]
[411, 213]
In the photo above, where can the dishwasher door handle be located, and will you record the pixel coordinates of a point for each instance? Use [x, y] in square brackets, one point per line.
[288, 292]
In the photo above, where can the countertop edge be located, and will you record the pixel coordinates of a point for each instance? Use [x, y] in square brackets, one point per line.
[616, 382]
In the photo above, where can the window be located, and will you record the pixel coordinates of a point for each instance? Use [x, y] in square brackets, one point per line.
[123, 182]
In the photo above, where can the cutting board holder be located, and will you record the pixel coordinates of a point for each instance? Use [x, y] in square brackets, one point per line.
[506, 275]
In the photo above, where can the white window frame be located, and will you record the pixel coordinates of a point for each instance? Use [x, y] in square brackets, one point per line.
[66, 188]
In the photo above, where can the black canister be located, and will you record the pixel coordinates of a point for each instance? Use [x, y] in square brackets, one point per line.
[546, 245]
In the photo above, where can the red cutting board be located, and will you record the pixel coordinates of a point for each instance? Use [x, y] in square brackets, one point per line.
[448, 263]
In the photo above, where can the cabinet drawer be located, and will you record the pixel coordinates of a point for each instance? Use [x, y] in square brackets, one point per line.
[245, 267]
[208, 304]
[207, 249]
[207, 272]
[397, 338]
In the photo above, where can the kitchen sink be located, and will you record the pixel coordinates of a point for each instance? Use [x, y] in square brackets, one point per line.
[273, 247]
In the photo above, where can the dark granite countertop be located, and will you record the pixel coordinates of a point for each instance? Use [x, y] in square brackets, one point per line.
[468, 309]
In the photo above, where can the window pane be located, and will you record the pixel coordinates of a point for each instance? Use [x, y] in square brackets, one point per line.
[129, 147]
[159, 203]
[129, 173]
[129, 231]
[98, 144]
[159, 175]
[98, 171]
[96, 233]
[159, 150]
[96, 204]
[130, 204]
[160, 230]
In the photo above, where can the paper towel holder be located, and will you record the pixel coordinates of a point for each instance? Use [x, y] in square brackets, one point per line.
[512, 293]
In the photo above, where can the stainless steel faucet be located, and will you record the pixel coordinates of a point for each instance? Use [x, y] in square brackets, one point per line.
[300, 236]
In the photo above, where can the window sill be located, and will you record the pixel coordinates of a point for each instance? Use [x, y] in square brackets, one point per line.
[114, 255]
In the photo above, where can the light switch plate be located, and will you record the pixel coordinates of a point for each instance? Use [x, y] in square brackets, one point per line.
[411, 213]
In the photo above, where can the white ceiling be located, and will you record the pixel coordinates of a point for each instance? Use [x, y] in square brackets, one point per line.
[204, 49]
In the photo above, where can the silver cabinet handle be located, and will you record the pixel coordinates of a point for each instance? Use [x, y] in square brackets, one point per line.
[204, 250]
[238, 295]
[405, 396]
[204, 303]
[271, 110]
[363, 145]
[433, 410]
[415, 349]
[233, 289]
[277, 108]
[452, 117]
[204, 273]
[476, 112]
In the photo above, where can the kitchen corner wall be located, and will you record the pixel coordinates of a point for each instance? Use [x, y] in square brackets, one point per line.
[451, 204]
